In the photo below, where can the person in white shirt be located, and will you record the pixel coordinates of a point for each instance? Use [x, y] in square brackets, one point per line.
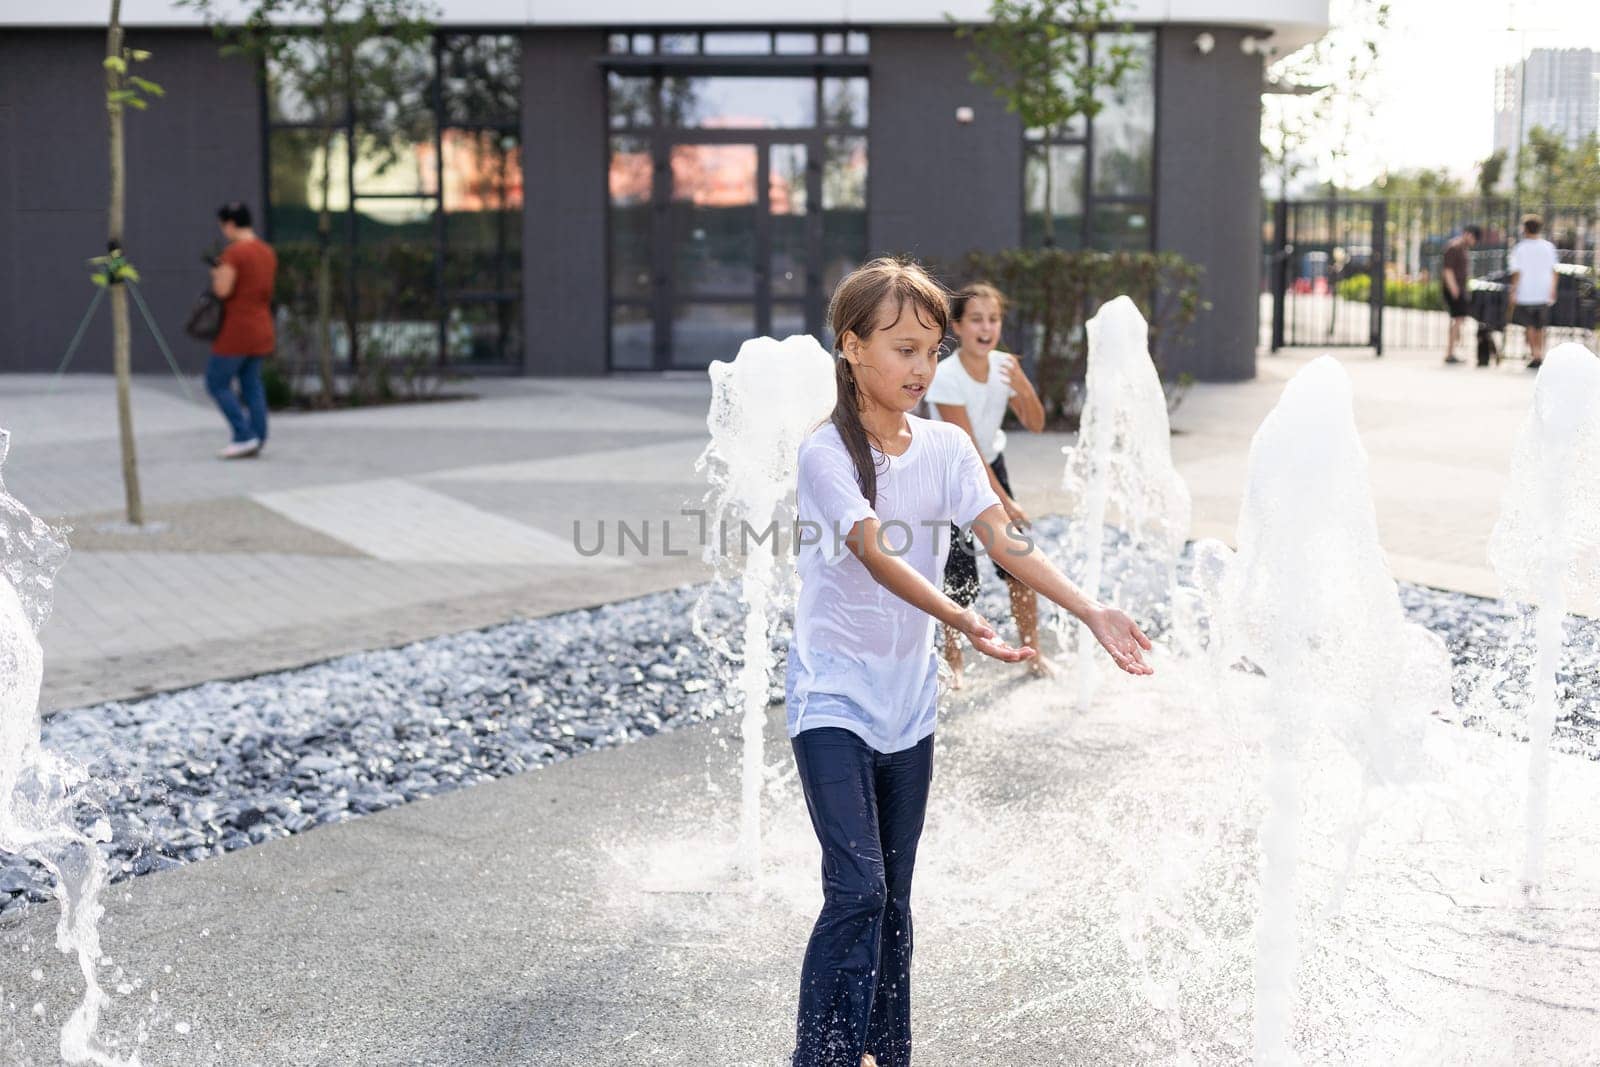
[1533, 286]
[877, 490]
[972, 389]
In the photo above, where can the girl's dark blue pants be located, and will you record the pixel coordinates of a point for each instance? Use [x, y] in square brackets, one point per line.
[855, 986]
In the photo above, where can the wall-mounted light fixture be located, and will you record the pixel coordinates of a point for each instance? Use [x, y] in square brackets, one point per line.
[1257, 46]
[1204, 43]
[964, 116]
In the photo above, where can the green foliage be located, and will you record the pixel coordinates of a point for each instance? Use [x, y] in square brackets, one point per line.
[1035, 55]
[1397, 293]
[1418, 183]
[1558, 173]
[1328, 124]
[275, 383]
[1489, 171]
[392, 311]
[334, 55]
[128, 90]
[1041, 58]
[1284, 137]
[111, 269]
[1051, 292]
[123, 90]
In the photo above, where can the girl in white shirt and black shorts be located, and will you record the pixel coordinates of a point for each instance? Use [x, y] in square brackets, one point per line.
[877, 492]
[973, 388]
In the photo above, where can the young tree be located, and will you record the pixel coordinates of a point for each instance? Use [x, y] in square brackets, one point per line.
[1566, 179]
[112, 270]
[1547, 152]
[1283, 143]
[1347, 56]
[1580, 184]
[1041, 58]
[346, 62]
[1489, 171]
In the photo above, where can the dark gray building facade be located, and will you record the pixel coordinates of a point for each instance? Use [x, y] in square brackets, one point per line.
[586, 200]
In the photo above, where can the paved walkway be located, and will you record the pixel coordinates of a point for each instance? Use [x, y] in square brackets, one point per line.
[585, 913]
[355, 529]
[362, 529]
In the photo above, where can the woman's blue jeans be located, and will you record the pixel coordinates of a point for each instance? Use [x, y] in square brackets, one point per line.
[250, 421]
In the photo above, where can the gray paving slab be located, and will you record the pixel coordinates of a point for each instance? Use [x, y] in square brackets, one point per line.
[212, 525]
[183, 466]
[115, 660]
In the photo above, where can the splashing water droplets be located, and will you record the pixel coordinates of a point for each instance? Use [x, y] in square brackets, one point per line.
[762, 406]
[1310, 602]
[1546, 546]
[1121, 471]
[40, 792]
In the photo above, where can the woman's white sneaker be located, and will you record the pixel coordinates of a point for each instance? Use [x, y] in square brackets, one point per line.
[240, 449]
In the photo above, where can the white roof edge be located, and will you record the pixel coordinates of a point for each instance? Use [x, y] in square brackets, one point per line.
[1292, 23]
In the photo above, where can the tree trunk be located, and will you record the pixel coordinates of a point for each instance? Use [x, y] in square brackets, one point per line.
[1050, 374]
[325, 221]
[121, 359]
[1049, 198]
[325, 275]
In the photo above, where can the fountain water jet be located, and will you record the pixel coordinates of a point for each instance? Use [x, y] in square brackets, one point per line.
[40, 794]
[1545, 548]
[1309, 601]
[762, 406]
[1123, 459]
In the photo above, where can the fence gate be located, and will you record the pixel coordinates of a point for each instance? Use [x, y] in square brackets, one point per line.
[1325, 273]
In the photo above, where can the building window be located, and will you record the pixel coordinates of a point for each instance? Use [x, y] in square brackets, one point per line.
[424, 193]
[1098, 178]
[739, 43]
[737, 200]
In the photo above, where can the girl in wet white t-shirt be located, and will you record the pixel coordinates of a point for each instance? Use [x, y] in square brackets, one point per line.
[877, 492]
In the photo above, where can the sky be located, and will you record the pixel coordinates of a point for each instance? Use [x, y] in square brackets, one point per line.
[1435, 80]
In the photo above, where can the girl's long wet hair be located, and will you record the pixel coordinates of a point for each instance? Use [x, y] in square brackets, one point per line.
[975, 291]
[856, 308]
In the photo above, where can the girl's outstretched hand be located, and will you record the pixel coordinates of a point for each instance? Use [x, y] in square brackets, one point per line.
[985, 640]
[1121, 637]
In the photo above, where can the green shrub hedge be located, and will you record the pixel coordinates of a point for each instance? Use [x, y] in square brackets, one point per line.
[1420, 296]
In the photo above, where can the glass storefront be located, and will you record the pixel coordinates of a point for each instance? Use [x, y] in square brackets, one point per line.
[1101, 174]
[737, 200]
[736, 186]
[422, 185]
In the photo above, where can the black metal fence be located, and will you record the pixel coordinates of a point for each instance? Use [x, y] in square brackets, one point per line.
[1316, 249]
[1367, 273]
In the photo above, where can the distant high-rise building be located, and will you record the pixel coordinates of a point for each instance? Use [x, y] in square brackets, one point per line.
[1560, 91]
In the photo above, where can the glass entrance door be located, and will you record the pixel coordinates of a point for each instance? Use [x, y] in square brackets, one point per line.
[736, 201]
[738, 246]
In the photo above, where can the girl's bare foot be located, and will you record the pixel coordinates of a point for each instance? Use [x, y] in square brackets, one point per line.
[957, 680]
[868, 1060]
[1040, 667]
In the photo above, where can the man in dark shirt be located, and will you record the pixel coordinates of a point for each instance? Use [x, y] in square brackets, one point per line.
[1456, 269]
